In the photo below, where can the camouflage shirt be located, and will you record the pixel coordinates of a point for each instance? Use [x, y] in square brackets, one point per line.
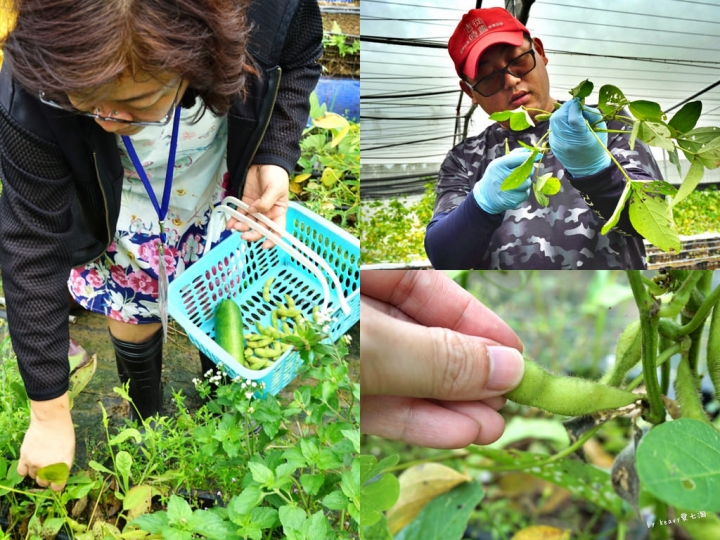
[563, 235]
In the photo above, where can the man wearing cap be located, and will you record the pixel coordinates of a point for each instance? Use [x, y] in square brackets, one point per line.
[478, 225]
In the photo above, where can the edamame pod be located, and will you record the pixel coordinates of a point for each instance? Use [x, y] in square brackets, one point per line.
[627, 354]
[266, 289]
[568, 396]
[266, 352]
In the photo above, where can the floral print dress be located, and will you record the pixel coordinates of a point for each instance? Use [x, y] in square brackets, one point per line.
[123, 283]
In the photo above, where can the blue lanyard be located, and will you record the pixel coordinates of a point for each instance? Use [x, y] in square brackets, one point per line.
[161, 210]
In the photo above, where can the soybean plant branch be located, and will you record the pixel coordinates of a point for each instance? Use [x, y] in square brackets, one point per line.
[702, 313]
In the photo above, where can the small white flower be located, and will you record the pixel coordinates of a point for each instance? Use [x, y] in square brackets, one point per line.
[250, 410]
[249, 395]
[208, 373]
[253, 384]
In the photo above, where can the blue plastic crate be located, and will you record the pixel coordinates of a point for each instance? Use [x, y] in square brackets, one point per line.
[238, 270]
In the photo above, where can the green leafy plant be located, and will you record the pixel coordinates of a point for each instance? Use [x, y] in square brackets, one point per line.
[650, 202]
[281, 466]
[653, 479]
[394, 230]
[328, 171]
[335, 39]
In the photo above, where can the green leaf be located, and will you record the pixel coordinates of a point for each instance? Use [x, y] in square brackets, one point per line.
[354, 437]
[377, 531]
[124, 435]
[242, 504]
[123, 464]
[99, 467]
[291, 517]
[548, 184]
[646, 110]
[316, 527]
[57, 473]
[519, 118]
[178, 510]
[692, 179]
[336, 500]
[312, 483]
[611, 98]
[675, 160]
[261, 474]
[209, 525]
[655, 134]
[540, 197]
[137, 496]
[446, 517]
[582, 90]
[370, 468]
[679, 463]
[624, 196]
[686, 118]
[634, 134]
[377, 496]
[702, 139]
[516, 178]
[579, 478]
[265, 517]
[652, 218]
[152, 523]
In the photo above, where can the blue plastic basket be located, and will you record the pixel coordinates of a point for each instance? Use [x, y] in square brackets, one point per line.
[238, 270]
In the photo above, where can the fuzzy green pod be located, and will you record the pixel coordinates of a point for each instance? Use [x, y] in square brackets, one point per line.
[713, 349]
[627, 354]
[687, 394]
[266, 289]
[568, 396]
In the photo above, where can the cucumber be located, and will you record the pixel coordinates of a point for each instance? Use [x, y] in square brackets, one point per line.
[229, 329]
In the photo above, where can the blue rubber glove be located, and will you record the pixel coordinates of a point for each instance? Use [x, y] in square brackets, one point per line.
[575, 147]
[487, 191]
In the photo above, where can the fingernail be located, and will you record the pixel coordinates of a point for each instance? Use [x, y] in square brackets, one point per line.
[506, 368]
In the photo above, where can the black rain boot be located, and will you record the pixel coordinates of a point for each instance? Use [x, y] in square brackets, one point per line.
[141, 364]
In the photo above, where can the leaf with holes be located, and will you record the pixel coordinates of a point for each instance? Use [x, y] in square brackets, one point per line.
[652, 218]
[611, 98]
[519, 118]
[655, 134]
[679, 463]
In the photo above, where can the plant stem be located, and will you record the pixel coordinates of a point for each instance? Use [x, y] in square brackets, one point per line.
[648, 308]
[702, 313]
[560, 455]
[660, 361]
[442, 457]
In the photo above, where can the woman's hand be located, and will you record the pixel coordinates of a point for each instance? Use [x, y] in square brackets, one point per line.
[266, 191]
[435, 362]
[50, 439]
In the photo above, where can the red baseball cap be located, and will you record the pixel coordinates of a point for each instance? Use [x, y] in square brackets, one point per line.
[478, 30]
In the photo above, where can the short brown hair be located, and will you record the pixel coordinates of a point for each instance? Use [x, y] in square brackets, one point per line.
[65, 47]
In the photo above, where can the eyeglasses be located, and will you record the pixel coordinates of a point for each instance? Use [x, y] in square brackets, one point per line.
[517, 67]
[162, 122]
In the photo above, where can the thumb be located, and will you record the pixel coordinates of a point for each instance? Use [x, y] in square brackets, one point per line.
[515, 158]
[434, 362]
[576, 119]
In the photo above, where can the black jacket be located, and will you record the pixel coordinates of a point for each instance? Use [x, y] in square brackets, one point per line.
[62, 180]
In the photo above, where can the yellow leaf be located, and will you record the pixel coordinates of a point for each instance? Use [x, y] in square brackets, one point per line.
[329, 177]
[330, 121]
[299, 178]
[296, 188]
[418, 486]
[541, 532]
[340, 136]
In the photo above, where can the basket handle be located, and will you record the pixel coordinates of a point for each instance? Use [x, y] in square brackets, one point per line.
[295, 248]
